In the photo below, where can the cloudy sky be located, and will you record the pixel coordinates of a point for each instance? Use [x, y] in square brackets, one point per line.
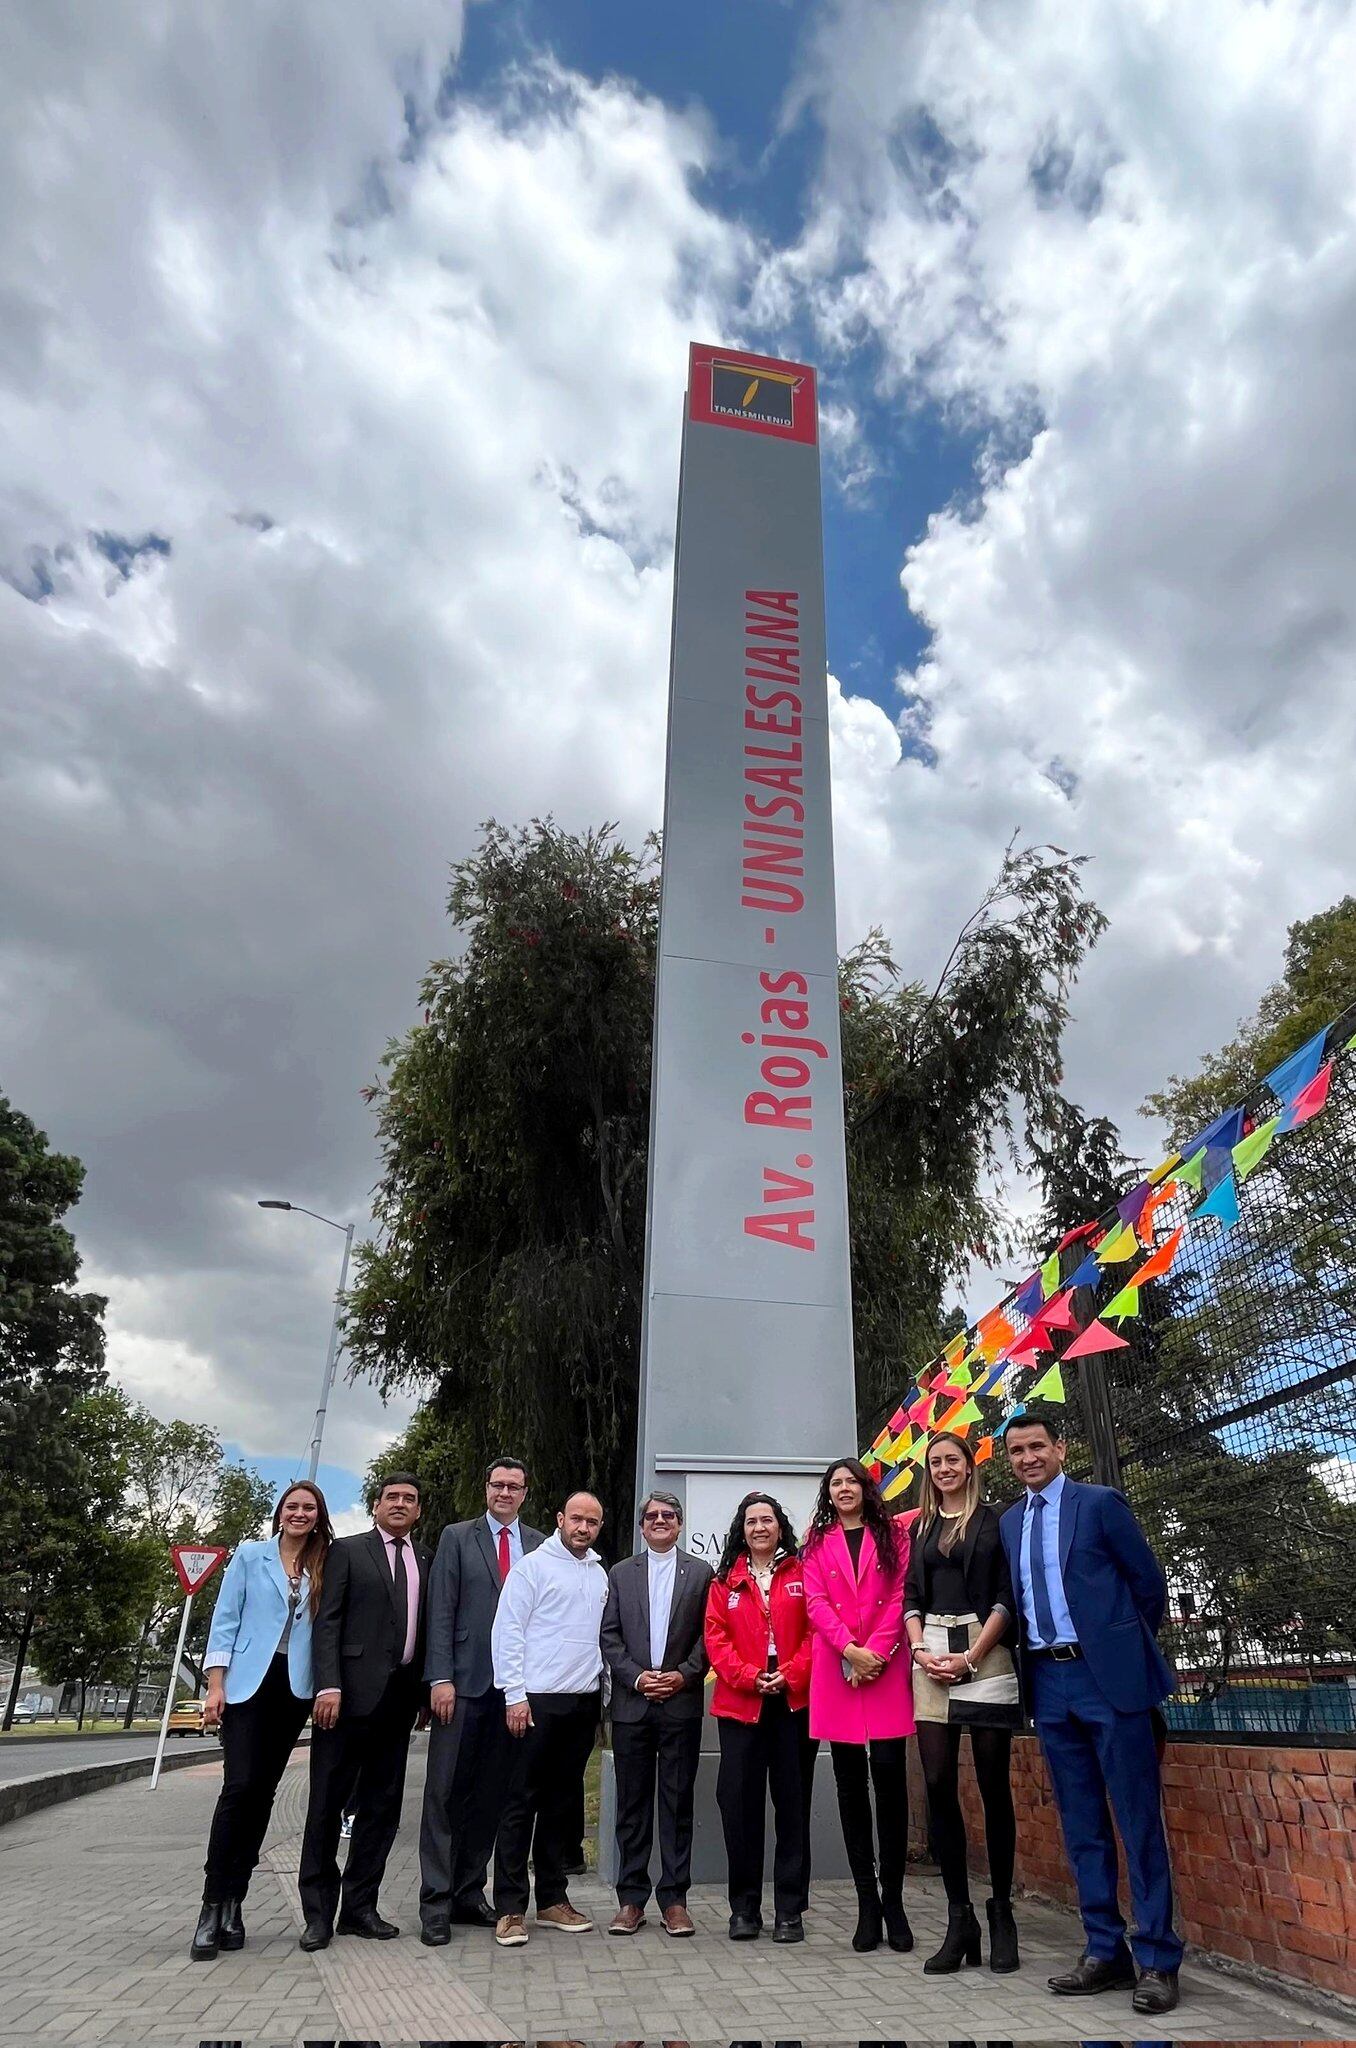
[341, 359]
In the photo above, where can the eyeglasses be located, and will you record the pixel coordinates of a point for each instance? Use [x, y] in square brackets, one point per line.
[659, 1515]
[507, 1486]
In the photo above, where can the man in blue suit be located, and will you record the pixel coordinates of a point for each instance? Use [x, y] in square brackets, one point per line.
[1092, 1597]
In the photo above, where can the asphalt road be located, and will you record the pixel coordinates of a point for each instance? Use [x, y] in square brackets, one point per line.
[64, 1752]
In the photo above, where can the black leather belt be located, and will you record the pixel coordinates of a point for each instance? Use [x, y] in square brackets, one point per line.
[1062, 1653]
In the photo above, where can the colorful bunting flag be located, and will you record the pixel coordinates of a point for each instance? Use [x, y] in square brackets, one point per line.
[900, 1483]
[1089, 1274]
[920, 1414]
[1006, 1424]
[1050, 1386]
[1253, 1150]
[896, 1422]
[1121, 1245]
[984, 1450]
[1050, 1276]
[1058, 1313]
[1129, 1206]
[992, 1332]
[1029, 1296]
[1309, 1101]
[1221, 1203]
[1293, 1076]
[872, 1469]
[1195, 1166]
[1096, 1337]
[1125, 1304]
[919, 1451]
[1161, 1262]
[1077, 1236]
[961, 1376]
[1164, 1168]
[1224, 1133]
[969, 1413]
[956, 1349]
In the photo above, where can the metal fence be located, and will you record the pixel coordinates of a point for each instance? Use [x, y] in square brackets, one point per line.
[1229, 1416]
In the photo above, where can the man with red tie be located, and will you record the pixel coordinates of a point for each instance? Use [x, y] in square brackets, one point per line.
[470, 1749]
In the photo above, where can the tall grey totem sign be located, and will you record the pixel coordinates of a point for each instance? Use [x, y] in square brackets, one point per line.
[746, 1376]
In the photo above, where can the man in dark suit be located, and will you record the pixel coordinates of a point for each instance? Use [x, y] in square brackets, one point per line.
[368, 1652]
[652, 1642]
[470, 1750]
[1092, 1597]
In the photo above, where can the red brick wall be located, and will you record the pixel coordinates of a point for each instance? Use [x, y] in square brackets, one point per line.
[1263, 1850]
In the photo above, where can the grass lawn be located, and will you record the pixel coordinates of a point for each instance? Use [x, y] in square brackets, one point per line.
[28, 1729]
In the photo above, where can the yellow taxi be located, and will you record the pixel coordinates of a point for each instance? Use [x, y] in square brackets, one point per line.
[186, 1718]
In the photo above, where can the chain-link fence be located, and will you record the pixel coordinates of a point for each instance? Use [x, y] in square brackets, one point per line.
[1228, 1414]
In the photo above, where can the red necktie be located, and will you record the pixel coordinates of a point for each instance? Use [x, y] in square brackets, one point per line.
[504, 1559]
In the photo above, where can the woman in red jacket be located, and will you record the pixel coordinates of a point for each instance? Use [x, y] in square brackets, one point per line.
[758, 1640]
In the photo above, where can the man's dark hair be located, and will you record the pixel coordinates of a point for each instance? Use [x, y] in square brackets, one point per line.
[666, 1500]
[507, 1463]
[393, 1479]
[1040, 1416]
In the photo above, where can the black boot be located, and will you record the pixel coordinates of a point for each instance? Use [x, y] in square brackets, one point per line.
[232, 1926]
[207, 1933]
[961, 1944]
[1003, 1955]
[869, 1919]
[898, 1932]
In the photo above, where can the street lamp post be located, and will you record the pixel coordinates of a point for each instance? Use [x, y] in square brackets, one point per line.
[332, 1354]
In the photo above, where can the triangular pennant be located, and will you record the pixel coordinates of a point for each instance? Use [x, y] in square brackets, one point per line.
[1193, 1169]
[1028, 1346]
[1294, 1075]
[872, 1469]
[961, 1376]
[1050, 1276]
[1006, 1424]
[1221, 1203]
[1225, 1131]
[1122, 1244]
[1129, 1206]
[882, 1440]
[992, 1332]
[899, 1483]
[1029, 1296]
[1089, 1274]
[920, 1414]
[896, 1422]
[1096, 1337]
[1058, 1313]
[984, 1450]
[1125, 1304]
[1049, 1387]
[1076, 1236]
[1161, 1262]
[1254, 1148]
[1164, 1168]
[969, 1413]
[1309, 1101]
[919, 1451]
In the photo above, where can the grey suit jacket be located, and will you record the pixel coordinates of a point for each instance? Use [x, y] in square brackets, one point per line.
[626, 1636]
[463, 1594]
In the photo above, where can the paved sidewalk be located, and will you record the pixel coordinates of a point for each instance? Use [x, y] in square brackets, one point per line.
[98, 1900]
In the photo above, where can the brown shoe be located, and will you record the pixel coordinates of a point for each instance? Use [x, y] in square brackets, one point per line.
[677, 1920]
[626, 1920]
[564, 1919]
[510, 1930]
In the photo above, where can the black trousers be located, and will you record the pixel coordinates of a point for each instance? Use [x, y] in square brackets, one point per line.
[544, 1793]
[773, 1753]
[258, 1735]
[469, 1765]
[991, 1753]
[655, 1755]
[359, 1762]
[857, 1769]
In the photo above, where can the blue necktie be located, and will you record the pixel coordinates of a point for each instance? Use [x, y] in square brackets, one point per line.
[1040, 1586]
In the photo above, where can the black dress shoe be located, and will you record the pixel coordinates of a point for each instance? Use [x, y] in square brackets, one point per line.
[789, 1929]
[744, 1928]
[1156, 1991]
[436, 1934]
[315, 1934]
[368, 1923]
[207, 1933]
[474, 1913]
[1094, 1973]
[232, 1926]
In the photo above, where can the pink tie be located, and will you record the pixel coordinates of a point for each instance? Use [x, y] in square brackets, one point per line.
[504, 1559]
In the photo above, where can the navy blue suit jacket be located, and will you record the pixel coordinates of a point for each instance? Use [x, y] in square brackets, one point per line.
[1115, 1588]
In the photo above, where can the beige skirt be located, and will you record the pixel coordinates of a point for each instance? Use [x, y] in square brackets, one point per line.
[988, 1700]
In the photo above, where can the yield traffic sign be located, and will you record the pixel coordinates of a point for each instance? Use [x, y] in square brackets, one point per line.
[195, 1563]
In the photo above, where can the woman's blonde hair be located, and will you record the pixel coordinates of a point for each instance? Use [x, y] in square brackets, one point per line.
[930, 1501]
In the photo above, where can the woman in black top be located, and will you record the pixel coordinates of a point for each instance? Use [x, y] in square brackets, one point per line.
[958, 1612]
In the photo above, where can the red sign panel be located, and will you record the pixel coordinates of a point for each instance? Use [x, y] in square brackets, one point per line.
[196, 1562]
[756, 394]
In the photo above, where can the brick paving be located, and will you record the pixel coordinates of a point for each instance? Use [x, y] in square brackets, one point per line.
[98, 1899]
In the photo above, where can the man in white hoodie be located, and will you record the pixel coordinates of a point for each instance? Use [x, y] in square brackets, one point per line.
[548, 1664]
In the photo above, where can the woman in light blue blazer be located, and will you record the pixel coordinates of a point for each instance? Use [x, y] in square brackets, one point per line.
[259, 1690]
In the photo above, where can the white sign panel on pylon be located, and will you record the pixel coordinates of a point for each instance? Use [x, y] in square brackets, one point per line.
[747, 1346]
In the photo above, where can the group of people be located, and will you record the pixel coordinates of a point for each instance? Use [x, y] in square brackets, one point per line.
[875, 1628]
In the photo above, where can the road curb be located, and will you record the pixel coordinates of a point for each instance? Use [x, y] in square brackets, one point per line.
[20, 1796]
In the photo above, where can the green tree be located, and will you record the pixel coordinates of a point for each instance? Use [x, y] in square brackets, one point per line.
[51, 1357]
[505, 1284]
[90, 1618]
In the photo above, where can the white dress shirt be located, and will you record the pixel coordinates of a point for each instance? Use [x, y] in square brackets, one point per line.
[663, 1572]
[545, 1634]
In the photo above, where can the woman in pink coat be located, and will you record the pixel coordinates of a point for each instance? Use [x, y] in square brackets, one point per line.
[861, 1698]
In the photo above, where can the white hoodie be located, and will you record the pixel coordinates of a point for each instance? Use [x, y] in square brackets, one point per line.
[545, 1634]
